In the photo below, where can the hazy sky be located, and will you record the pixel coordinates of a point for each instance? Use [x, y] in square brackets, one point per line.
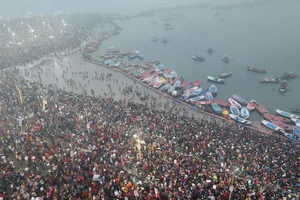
[13, 7]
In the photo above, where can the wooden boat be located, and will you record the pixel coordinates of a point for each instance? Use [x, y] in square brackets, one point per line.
[286, 114]
[165, 87]
[215, 79]
[186, 95]
[240, 99]
[197, 82]
[203, 103]
[132, 56]
[198, 98]
[277, 118]
[147, 79]
[173, 74]
[261, 109]
[191, 89]
[245, 113]
[225, 74]
[203, 92]
[291, 137]
[188, 86]
[209, 96]
[269, 80]
[282, 125]
[108, 57]
[283, 87]
[235, 103]
[174, 80]
[213, 89]
[157, 84]
[296, 131]
[216, 108]
[252, 105]
[177, 84]
[234, 110]
[221, 102]
[183, 84]
[271, 126]
[239, 119]
[198, 58]
[258, 70]
[288, 75]
[296, 121]
[196, 92]
[167, 70]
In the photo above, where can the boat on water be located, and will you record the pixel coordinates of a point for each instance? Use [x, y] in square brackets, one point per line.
[277, 118]
[173, 74]
[215, 79]
[296, 110]
[196, 92]
[191, 89]
[188, 86]
[171, 89]
[169, 28]
[209, 96]
[167, 70]
[283, 87]
[165, 87]
[147, 79]
[158, 84]
[216, 107]
[198, 98]
[252, 105]
[296, 121]
[225, 59]
[209, 50]
[198, 58]
[296, 131]
[239, 119]
[286, 114]
[167, 75]
[261, 109]
[291, 137]
[203, 103]
[183, 84]
[271, 126]
[225, 74]
[186, 95]
[234, 110]
[221, 102]
[269, 80]
[140, 56]
[245, 113]
[112, 64]
[240, 99]
[161, 67]
[234, 102]
[288, 75]
[197, 82]
[258, 70]
[203, 92]
[107, 62]
[132, 56]
[177, 84]
[213, 89]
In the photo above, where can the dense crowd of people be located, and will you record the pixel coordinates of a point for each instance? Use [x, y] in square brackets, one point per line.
[62, 145]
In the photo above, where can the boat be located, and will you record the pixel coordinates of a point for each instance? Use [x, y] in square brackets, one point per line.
[169, 28]
[112, 64]
[277, 118]
[203, 103]
[252, 105]
[166, 75]
[203, 92]
[157, 84]
[286, 114]
[140, 56]
[148, 79]
[225, 74]
[234, 110]
[167, 70]
[281, 124]
[283, 87]
[245, 113]
[162, 67]
[235, 103]
[107, 62]
[113, 50]
[239, 119]
[271, 126]
[132, 56]
[177, 84]
[197, 82]
[165, 87]
[225, 59]
[191, 89]
[216, 108]
[172, 81]
[291, 137]
[240, 99]
[184, 83]
[171, 89]
[213, 89]
[258, 70]
[296, 110]
[198, 58]
[196, 92]
[288, 75]
[209, 96]
[296, 131]
[221, 102]
[173, 74]
[198, 98]
[188, 86]
[215, 79]
[186, 95]
[261, 109]
[269, 80]
[209, 50]
[296, 121]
